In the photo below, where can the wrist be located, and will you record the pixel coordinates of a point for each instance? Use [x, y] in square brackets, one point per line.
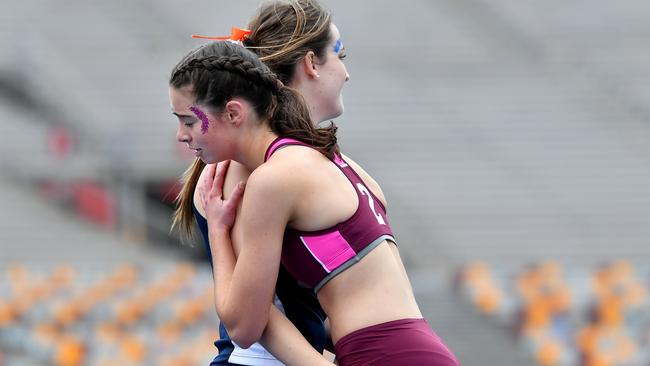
[218, 230]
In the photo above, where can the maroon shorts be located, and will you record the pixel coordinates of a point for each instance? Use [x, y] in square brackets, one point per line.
[398, 342]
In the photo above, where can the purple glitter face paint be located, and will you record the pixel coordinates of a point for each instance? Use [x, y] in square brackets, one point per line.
[338, 46]
[205, 123]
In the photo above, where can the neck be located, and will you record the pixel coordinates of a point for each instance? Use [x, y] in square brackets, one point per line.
[254, 147]
[315, 115]
[305, 90]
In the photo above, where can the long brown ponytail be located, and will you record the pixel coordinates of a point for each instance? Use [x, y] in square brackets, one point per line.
[288, 120]
[183, 216]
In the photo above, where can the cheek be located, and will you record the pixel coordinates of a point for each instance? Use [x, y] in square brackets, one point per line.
[343, 71]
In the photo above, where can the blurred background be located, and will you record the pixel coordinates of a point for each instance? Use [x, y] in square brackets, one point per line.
[511, 139]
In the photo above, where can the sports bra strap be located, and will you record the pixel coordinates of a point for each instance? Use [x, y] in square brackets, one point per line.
[281, 142]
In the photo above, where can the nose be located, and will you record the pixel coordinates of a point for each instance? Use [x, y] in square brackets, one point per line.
[181, 136]
[347, 76]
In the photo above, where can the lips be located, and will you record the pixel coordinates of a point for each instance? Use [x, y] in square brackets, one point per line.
[197, 150]
[192, 148]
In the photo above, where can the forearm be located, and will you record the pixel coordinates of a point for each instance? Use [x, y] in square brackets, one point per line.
[223, 259]
[287, 344]
[280, 336]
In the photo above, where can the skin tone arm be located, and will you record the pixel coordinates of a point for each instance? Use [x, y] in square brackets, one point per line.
[279, 335]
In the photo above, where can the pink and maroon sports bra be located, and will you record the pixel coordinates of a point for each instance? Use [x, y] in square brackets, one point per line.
[315, 257]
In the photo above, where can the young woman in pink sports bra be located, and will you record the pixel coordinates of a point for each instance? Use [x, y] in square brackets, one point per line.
[328, 211]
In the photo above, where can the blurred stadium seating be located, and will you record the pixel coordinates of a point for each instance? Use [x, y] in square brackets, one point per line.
[567, 315]
[511, 139]
[127, 315]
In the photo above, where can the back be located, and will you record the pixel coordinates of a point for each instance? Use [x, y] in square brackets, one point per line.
[372, 289]
[315, 257]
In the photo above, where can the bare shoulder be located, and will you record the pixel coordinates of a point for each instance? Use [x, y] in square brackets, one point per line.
[273, 176]
[367, 179]
[287, 174]
[299, 161]
[236, 173]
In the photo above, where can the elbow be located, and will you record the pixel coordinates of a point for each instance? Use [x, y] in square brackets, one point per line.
[244, 338]
[244, 331]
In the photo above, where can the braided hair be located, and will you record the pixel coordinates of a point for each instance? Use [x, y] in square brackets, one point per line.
[221, 71]
[217, 72]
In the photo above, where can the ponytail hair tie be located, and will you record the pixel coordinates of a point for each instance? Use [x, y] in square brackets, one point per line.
[237, 35]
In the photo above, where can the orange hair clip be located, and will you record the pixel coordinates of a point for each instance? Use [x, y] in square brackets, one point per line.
[236, 34]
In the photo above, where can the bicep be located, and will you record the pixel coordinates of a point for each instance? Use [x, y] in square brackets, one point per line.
[236, 173]
[258, 232]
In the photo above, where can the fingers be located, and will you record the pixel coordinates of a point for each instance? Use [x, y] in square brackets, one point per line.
[211, 170]
[219, 178]
[205, 182]
[207, 178]
[236, 196]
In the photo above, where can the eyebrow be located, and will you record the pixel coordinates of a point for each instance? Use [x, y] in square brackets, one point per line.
[183, 115]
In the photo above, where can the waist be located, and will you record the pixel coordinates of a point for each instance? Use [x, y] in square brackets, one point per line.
[375, 290]
[342, 326]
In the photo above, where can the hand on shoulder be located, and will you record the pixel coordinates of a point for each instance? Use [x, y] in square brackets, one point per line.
[220, 212]
[235, 173]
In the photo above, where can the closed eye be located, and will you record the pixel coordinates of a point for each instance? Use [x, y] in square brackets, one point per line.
[187, 121]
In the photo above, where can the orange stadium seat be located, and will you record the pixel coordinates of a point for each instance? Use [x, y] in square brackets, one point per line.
[606, 345]
[70, 351]
[486, 296]
[133, 349]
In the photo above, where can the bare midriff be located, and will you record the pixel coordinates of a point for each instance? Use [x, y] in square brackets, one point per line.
[373, 291]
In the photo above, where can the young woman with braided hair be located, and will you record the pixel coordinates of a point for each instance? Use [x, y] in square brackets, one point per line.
[305, 206]
[281, 336]
[297, 40]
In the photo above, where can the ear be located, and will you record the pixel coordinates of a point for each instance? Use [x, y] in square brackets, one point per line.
[235, 112]
[310, 65]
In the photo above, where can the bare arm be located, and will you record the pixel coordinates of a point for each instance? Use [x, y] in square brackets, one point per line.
[242, 311]
[285, 342]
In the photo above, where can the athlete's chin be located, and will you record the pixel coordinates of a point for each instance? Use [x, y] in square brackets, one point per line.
[340, 107]
[336, 112]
